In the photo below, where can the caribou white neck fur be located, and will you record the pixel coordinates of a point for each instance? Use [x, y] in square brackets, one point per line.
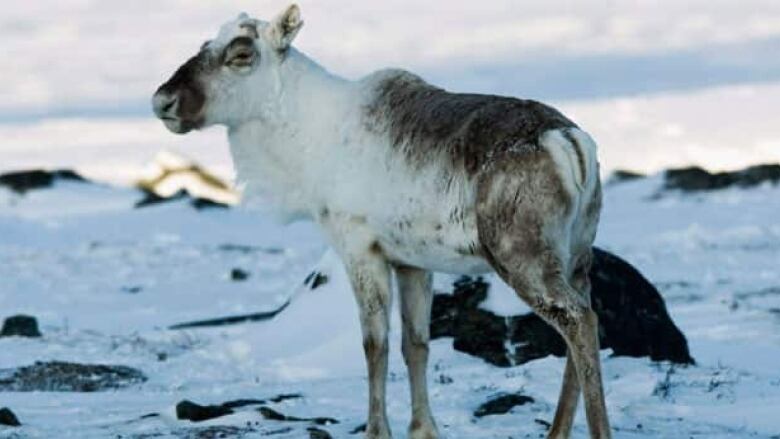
[283, 154]
[405, 178]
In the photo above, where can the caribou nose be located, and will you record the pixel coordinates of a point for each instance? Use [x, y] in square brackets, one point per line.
[163, 104]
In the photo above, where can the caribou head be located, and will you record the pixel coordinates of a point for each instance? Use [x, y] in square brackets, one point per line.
[232, 78]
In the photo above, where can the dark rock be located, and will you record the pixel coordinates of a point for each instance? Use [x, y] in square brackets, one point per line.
[205, 203]
[467, 295]
[21, 326]
[8, 418]
[238, 275]
[211, 432]
[23, 181]
[285, 397]
[543, 423]
[232, 320]
[318, 433]
[188, 410]
[195, 412]
[533, 338]
[238, 403]
[359, 429]
[134, 289]
[502, 404]
[697, 179]
[315, 279]
[57, 376]
[633, 320]
[620, 176]
[273, 415]
[248, 249]
[150, 416]
[482, 333]
[151, 199]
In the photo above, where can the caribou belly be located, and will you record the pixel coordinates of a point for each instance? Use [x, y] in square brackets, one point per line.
[431, 244]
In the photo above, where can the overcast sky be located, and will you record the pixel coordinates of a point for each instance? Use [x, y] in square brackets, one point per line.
[658, 82]
[82, 57]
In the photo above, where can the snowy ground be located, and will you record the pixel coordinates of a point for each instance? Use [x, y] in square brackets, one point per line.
[105, 280]
[658, 84]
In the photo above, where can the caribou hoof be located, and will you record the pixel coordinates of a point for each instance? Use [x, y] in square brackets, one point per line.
[423, 429]
[378, 431]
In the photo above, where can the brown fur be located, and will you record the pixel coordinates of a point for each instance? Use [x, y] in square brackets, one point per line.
[523, 211]
[423, 120]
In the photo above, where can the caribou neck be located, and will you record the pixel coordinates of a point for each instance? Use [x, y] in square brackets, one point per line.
[301, 132]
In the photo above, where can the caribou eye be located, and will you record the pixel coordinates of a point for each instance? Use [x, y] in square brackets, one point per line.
[240, 52]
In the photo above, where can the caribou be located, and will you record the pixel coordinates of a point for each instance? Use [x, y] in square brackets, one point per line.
[406, 179]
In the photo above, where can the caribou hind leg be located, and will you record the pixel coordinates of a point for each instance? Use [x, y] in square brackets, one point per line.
[570, 390]
[567, 402]
[416, 296]
[551, 296]
[526, 222]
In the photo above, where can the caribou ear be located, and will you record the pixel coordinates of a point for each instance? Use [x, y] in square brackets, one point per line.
[284, 27]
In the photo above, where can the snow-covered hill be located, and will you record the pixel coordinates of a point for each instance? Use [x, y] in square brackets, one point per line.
[105, 280]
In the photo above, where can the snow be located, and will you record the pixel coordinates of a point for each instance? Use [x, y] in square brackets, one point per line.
[658, 84]
[68, 255]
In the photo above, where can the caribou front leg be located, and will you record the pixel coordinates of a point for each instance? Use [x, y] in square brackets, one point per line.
[370, 278]
[414, 286]
[369, 274]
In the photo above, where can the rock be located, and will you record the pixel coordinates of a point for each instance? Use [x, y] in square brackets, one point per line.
[8, 418]
[238, 275]
[467, 295]
[188, 410]
[620, 176]
[273, 415]
[697, 179]
[238, 403]
[317, 433]
[210, 432]
[632, 314]
[248, 249]
[315, 279]
[57, 376]
[533, 338]
[132, 289]
[151, 199]
[633, 320]
[502, 404]
[23, 181]
[204, 203]
[171, 174]
[543, 423]
[285, 397]
[20, 326]
[191, 411]
[232, 320]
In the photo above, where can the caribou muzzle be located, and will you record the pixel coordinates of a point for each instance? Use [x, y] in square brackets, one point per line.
[180, 101]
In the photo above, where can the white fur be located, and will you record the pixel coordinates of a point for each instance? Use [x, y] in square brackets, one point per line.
[297, 141]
